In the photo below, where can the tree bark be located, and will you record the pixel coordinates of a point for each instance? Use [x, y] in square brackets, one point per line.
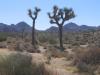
[60, 37]
[33, 33]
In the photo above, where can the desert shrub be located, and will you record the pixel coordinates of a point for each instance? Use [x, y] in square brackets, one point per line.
[45, 45]
[75, 43]
[11, 40]
[52, 41]
[42, 38]
[55, 52]
[2, 38]
[45, 37]
[16, 64]
[29, 48]
[27, 39]
[90, 56]
[20, 45]
[97, 71]
[86, 59]
[21, 64]
[3, 45]
[39, 69]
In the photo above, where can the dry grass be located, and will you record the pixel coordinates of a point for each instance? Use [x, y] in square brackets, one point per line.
[3, 45]
[58, 66]
[21, 45]
[87, 60]
[54, 52]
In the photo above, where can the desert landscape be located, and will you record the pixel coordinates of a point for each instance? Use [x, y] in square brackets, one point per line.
[80, 56]
[64, 49]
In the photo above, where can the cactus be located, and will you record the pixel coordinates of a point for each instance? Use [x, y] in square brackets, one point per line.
[33, 16]
[59, 17]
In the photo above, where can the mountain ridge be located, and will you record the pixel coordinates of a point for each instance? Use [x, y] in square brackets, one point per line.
[69, 27]
[73, 27]
[15, 27]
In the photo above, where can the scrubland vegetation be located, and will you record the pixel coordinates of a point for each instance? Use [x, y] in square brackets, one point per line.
[81, 54]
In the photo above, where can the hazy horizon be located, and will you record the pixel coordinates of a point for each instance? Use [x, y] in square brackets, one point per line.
[14, 11]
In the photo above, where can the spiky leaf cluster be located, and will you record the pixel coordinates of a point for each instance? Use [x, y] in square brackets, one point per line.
[35, 13]
[59, 16]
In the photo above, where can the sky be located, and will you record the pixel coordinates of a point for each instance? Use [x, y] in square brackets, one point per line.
[14, 11]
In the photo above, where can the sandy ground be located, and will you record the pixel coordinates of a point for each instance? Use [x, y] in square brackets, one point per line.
[4, 51]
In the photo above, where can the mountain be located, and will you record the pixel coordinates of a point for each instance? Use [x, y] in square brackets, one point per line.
[52, 29]
[4, 27]
[23, 26]
[19, 27]
[73, 27]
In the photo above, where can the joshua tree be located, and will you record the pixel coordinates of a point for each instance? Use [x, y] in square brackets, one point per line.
[59, 17]
[33, 16]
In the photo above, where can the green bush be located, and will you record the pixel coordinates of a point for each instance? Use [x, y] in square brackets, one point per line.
[88, 59]
[3, 36]
[42, 39]
[55, 52]
[52, 41]
[21, 64]
[16, 64]
[2, 39]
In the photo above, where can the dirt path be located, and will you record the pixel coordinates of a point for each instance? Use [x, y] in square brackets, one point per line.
[41, 48]
[57, 66]
[59, 71]
[38, 58]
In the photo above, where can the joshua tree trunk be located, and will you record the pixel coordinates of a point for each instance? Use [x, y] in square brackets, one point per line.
[60, 37]
[33, 33]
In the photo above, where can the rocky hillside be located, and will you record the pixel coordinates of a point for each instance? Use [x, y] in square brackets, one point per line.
[19, 27]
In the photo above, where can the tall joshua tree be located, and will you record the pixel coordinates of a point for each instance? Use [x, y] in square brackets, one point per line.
[33, 16]
[59, 17]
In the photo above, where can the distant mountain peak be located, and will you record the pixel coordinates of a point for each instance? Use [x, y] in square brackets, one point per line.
[71, 24]
[22, 24]
[52, 29]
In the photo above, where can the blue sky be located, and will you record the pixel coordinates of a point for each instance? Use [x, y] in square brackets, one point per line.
[14, 11]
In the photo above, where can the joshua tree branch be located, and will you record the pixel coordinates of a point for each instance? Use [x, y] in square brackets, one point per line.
[52, 22]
